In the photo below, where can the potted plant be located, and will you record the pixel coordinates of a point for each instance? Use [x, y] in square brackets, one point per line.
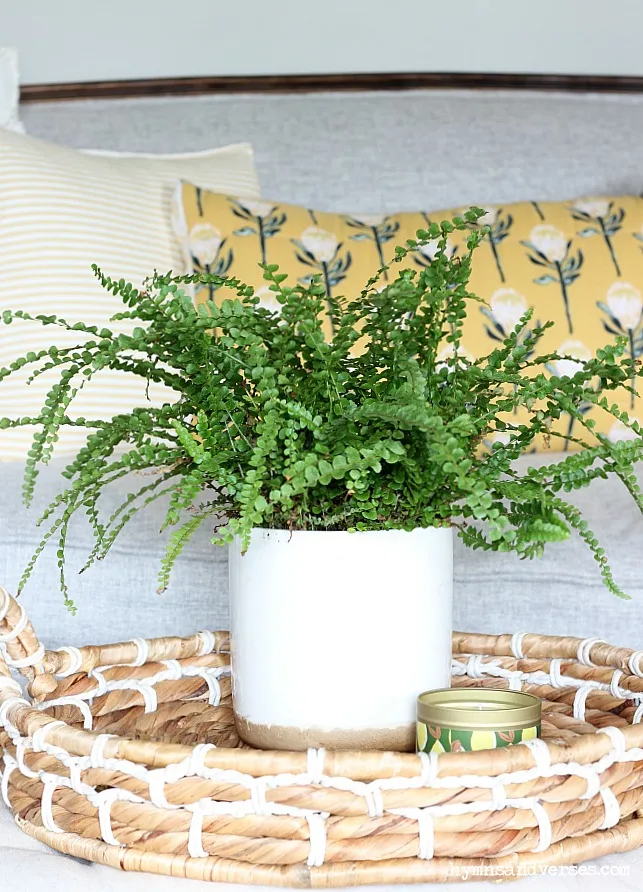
[336, 471]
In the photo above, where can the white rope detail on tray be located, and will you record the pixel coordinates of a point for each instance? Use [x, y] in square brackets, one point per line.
[10, 765]
[147, 692]
[617, 675]
[315, 759]
[580, 699]
[374, 802]
[195, 835]
[196, 761]
[142, 652]
[611, 806]
[619, 743]
[75, 661]
[541, 754]
[144, 686]
[38, 741]
[257, 803]
[25, 662]
[499, 796]
[103, 801]
[21, 746]
[88, 719]
[537, 746]
[101, 685]
[160, 780]
[8, 704]
[74, 765]
[50, 782]
[19, 627]
[584, 648]
[425, 818]
[156, 785]
[593, 786]
[634, 663]
[317, 830]
[474, 666]
[208, 807]
[209, 642]
[516, 644]
[211, 677]
[258, 789]
[555, 678]
[555, 675]
[544, 825]
[106, 799]
[426, 834]
[173, 671]
[97, 755]
[429, 769]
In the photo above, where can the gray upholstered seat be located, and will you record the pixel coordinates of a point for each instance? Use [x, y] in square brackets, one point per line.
[559, 594]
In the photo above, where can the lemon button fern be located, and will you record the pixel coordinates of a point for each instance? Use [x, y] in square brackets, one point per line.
[274, 426]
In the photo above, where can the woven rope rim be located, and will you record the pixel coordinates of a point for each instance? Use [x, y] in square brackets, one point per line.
[76, 780]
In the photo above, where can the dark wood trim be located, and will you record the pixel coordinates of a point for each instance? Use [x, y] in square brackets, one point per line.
[312, 83]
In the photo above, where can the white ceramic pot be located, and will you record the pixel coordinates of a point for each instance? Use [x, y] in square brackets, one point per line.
[334, 635]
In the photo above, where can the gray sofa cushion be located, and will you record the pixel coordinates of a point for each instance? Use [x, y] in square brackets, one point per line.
[377, 152]
[559, 594]
[117, 598]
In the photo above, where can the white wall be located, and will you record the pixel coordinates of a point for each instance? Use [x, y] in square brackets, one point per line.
[83, 40]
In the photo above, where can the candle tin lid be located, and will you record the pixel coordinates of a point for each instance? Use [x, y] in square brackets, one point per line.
[479, 708]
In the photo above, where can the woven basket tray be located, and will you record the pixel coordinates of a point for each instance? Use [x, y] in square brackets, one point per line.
[127, 755]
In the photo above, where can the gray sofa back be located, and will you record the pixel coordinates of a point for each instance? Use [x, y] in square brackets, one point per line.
[377, 152]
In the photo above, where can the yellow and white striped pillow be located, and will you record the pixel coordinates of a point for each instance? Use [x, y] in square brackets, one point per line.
[62, 210]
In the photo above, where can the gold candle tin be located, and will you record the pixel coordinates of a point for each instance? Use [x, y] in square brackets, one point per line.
[467, 719]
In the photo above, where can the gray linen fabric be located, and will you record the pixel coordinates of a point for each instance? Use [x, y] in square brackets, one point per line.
[559, 594]
[117, 598]
[384, 151]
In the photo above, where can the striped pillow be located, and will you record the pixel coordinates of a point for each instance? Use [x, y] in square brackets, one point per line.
[62, 210]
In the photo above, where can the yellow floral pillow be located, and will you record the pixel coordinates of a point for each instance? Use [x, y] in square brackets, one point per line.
[579, 263]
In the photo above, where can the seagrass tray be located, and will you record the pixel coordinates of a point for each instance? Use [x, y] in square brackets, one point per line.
[127, 755]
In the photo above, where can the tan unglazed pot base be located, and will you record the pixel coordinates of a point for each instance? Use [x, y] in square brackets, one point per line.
[280, 737]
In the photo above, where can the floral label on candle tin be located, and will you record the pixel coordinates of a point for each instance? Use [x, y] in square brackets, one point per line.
[437, 739]
[460, 720]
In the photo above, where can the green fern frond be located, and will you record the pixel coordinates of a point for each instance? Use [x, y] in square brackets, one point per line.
[178, 541]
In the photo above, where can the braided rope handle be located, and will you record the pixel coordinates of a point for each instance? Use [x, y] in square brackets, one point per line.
[20, 648]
